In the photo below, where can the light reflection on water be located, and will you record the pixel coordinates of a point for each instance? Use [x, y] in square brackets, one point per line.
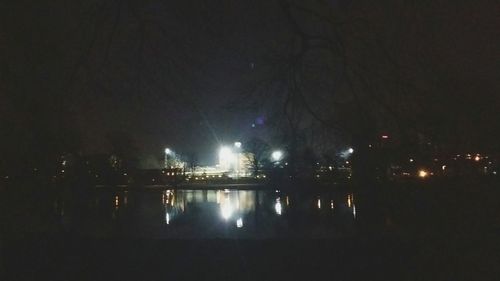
[222, 213]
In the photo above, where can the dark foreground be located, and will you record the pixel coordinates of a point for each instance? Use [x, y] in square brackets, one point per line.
[413, 232]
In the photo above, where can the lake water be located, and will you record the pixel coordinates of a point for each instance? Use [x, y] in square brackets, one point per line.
[216, 213]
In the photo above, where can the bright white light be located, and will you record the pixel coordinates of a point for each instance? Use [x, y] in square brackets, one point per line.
[319, 203]
[237, 144]
[277, 206]
[226, 158]
[167, 218]
[225, 152]
[226, 209]
[350, 150]
[239, 223]
[168, 151]
[277, 155]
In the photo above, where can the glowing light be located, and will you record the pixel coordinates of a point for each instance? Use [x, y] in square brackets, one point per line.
[226, 158]
[411, 160]
[350, 150]
[117, 201]
[331, 204]
[349, 202]
[287, 201]
[277, 155]
[477, 158]
[168, 151]
[319, 203]
[385, 136]
[239, 223]
[237, 144]
[443, 167]
[277, 206]
[167, 218]
[423, 173]
[226, 209]
[354, 211]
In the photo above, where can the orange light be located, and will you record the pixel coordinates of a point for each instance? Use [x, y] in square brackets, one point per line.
[423, 173]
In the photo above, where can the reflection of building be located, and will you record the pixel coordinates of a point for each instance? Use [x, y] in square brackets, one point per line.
[232, 205]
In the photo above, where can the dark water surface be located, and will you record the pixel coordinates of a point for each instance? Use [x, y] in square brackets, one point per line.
[430, 231]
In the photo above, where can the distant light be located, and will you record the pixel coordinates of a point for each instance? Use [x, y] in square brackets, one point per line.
[319, 203]
[350, 150]
[331, 204]
[237, 144]
[385, 136]
[277, 155]
[477, 158]
[423, 173]
[277, 206]
[239, 223]
[443, 167]
[167, 218]
[411, 160]
[168, 151]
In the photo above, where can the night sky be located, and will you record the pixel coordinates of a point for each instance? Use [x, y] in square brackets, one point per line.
[187, 74]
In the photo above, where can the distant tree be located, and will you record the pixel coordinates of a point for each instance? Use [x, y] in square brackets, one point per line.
[124, 150]
[258, 151]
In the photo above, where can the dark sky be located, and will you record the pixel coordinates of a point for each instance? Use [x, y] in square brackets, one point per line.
[179, 73]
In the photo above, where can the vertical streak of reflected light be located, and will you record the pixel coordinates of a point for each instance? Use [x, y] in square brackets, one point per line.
[319, 203]
[277, 206]
[239, 223]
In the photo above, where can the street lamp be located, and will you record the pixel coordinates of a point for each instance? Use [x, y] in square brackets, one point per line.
[168, 152]
[277, 155]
